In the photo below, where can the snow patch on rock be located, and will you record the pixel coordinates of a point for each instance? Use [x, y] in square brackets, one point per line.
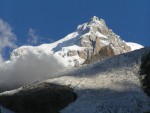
[134, 46]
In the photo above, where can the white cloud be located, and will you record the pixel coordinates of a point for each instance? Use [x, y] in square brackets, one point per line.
[28, 68]
[33, 37]
[25, 68]
[7, 37]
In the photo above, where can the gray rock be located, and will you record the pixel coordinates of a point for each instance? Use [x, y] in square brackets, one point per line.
[96, 36]
[39, 98]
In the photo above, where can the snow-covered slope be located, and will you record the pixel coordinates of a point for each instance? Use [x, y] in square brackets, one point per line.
[134, 46]
[108, 86]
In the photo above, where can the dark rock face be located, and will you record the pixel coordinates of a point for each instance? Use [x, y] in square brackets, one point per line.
[145, 74]
[40, 98]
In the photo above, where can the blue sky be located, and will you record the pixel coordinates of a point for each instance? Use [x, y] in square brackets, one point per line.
[50, 20]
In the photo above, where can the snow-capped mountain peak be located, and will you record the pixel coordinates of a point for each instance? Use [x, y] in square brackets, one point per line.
[91, 41]
[91, 26]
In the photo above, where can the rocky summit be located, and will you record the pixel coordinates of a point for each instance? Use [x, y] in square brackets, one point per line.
[100, 41]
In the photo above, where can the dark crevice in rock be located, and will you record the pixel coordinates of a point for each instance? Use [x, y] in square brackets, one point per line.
[145, 73]
[39, 98]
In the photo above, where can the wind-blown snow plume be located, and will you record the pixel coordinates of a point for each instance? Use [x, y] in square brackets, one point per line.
[7, 37]
[33, 37]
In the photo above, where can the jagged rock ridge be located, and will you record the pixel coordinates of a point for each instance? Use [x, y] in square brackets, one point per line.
[100, 41]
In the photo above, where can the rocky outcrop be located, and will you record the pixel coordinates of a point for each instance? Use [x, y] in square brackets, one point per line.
[72, 53]
[38, 98]
[82, 54]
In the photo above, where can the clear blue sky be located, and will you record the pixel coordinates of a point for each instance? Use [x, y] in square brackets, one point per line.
[54, 19]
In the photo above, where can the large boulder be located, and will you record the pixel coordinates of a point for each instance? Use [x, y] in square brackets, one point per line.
[38, 98]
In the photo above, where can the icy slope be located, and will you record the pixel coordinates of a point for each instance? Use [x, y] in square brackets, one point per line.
[111, 85]
[107, 86]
